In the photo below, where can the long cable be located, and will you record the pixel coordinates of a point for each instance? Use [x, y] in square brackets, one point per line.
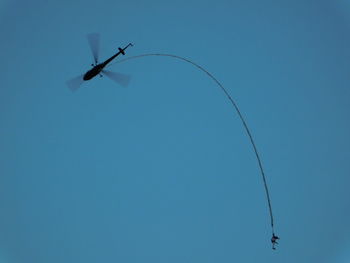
[238, 112]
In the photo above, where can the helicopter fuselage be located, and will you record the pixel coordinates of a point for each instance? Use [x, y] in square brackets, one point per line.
[93, 72]
[96, 70]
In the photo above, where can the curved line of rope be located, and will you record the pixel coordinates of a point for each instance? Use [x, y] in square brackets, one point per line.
[237, 110]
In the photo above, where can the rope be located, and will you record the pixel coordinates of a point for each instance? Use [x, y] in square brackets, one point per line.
[234, 104]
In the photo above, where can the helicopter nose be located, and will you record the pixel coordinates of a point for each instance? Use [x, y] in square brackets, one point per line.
[87, 76]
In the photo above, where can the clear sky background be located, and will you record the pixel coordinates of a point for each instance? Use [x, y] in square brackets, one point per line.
[162, 171]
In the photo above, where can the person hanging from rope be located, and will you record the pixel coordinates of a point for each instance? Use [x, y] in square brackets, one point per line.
[274, 241]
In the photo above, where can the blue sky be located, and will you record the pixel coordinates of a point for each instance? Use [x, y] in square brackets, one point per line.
[162, 171]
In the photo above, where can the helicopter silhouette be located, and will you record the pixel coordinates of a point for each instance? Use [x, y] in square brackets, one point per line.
[99, 68]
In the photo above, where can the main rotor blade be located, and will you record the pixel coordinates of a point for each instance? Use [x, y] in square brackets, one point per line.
[120, 78]
[75, 83]
[94, 42]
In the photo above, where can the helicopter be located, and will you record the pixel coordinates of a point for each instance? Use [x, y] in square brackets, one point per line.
[99, 68]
